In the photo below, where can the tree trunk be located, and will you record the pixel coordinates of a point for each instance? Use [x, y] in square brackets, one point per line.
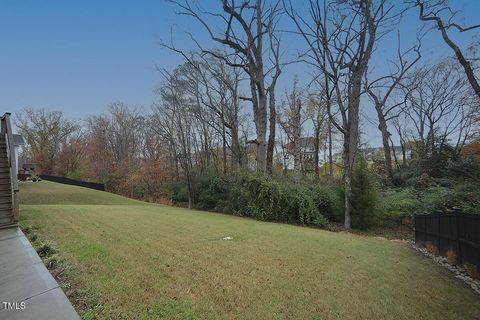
[351, 139]
[347, 180]
[259, 101]
[382, 125]
[296, 132]
[236, 153]
[261, 128]
[271, 136]
[317, 150]
[397, 165]
[224, 149]
[261, 148]
[330, 156]
[190, 191]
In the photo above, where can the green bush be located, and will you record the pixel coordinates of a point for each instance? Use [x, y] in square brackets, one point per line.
[328, 199]
[467, 169]
[463, 195]
[260, 197]
[364, 197]
[75, 175]
[434, 198]
[467, 197]
[178, 192]
[52, 261]
[265, 198]
[210, 192]
[398, 203]
[44, 248]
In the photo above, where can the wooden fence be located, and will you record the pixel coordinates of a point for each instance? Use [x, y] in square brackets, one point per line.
[457, 231]
[91, 185]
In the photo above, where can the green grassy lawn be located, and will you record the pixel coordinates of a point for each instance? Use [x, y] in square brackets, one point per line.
[132, 260]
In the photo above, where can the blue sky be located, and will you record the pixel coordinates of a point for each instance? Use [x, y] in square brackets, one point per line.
[79, 56]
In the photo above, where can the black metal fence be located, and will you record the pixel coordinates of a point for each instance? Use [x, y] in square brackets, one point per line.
[458, 232]
[91, 185]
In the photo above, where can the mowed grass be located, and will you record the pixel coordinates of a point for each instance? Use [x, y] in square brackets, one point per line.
[143, 261]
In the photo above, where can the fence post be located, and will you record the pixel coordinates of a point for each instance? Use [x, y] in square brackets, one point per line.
[457, 235]
[439, 213]
[425, 219]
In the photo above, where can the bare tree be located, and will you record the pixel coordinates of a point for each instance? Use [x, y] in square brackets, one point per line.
[120, 127]
[276, 69]
[172, 119]
[341, 36]
[400, 123]
[72, 152]
[318, 114]
[216, 87]
[431, 11]
[45, 132]
[440, 106]
[381, 91]
[291, 121]
[245, 25]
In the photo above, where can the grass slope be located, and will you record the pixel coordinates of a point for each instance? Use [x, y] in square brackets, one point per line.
[138, 260]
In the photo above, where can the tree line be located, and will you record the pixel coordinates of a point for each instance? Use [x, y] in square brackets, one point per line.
[221, 110]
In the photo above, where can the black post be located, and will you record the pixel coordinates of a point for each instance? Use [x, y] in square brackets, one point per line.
[438, 212]
[457, 235]
[425, 230]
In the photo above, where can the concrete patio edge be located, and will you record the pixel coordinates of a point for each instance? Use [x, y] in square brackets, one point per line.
[27, 289]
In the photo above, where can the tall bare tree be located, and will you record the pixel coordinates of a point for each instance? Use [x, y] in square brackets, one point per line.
[173, 119]
[246, 26]
[291, 121]
[382, 91]
[217, 89]
[432, 11]
[340, 36]
[45, 133]
[317, 112]
[440, 106]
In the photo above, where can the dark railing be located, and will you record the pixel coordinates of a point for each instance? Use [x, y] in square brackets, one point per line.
[91, 185]
[6, 130]
[456, 232]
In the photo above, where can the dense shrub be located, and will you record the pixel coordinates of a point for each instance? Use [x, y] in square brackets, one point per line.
[210, 192]
[439, 181]
[261, 197]
[75, 175]
[467, 169]
[398, 203]
[364, 197]
[265, 198]
[463, 195]
[434, 198]
[329, 200]
[177, 191]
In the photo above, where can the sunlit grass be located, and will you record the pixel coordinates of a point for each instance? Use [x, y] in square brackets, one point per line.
[150, 261]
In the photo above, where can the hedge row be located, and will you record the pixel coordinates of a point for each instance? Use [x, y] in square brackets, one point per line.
[262, 197]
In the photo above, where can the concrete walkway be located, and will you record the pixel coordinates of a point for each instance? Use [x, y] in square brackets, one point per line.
[27, 289]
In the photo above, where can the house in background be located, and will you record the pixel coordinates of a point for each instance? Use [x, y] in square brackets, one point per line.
[377, 154]
[26, 171]
[25, 167]
[18, 141]
[307, 154]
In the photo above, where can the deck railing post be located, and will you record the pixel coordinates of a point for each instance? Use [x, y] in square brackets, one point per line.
[12, 162]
